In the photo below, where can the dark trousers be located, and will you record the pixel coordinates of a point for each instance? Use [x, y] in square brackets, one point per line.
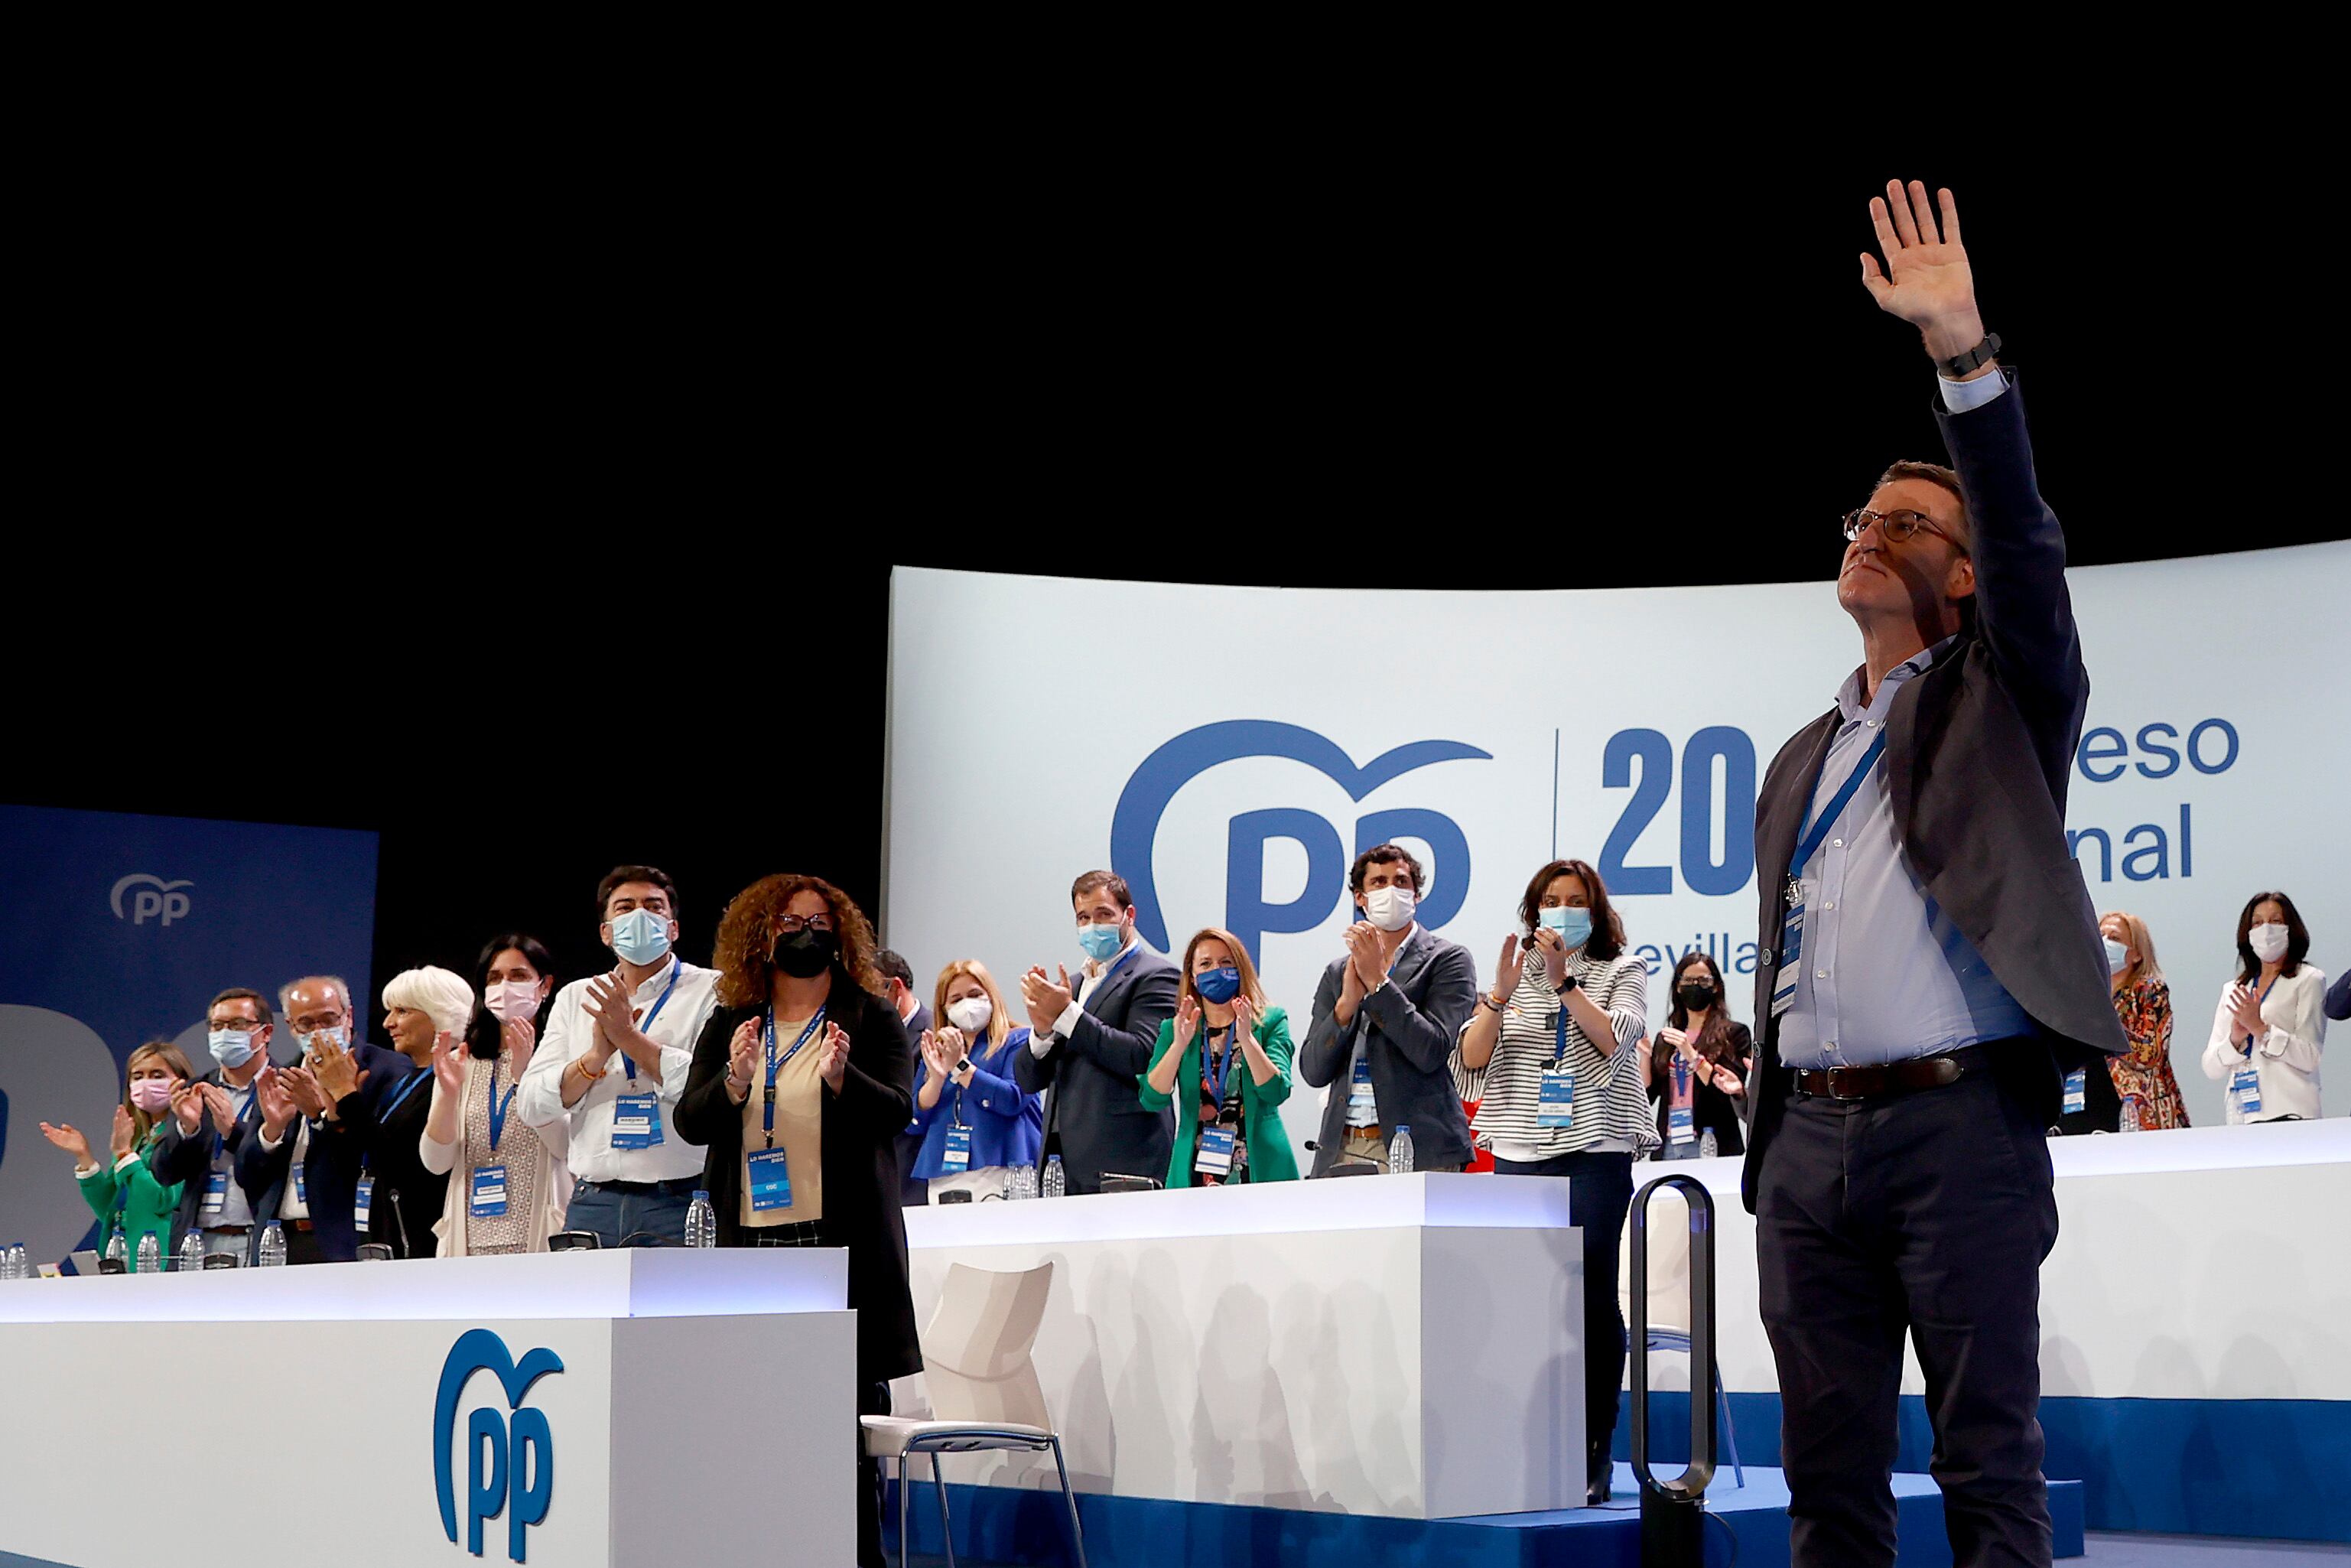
[873, 1399]
[1599, 1191]
[1925, 1213]
[652, 1216]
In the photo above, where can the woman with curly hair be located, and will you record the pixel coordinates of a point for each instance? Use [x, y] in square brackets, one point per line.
[801, 1082]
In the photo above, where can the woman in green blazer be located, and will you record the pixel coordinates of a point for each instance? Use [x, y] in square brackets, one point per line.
[1228, 1100]
[123, 1192]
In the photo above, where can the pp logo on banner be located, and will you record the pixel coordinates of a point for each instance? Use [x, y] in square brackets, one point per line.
[154, 898]
[1134, 826]
[509, 1466]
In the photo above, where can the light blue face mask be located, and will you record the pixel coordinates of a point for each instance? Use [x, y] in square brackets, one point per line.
[1100, 941]
[641, 937]
[1574, 925]
[231, 1047]
[2117, 956]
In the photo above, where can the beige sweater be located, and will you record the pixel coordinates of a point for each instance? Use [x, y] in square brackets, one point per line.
[553, 1187]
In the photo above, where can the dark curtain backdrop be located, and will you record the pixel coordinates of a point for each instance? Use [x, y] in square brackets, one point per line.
[582, 555]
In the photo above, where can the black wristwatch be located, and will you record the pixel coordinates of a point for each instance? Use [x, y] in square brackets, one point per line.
[1965, 364]
[1569, 983]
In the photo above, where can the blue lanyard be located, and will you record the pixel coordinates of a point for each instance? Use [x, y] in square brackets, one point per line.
[1131, 949]
[498, 1106]
[407, 1089]
[1809, 841]
[768, 1111]
[628, 1063]
[1217, 1083]
[1558, 1053]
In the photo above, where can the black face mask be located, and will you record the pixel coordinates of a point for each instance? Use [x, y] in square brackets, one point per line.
[805, 953]
[1693, 998]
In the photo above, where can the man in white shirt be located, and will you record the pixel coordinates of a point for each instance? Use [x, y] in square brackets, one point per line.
[618, 1048]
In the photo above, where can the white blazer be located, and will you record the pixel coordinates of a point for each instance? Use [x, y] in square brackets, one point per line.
[2285, 1058]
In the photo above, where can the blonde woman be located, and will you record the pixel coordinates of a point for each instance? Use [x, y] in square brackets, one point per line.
[977, 1125]
[122, 1190]
[2142, 1002]
[508, 1186]
[1224, 1061]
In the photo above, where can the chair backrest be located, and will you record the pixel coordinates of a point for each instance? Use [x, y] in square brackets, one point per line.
[1669, 1243]
[976, 1348]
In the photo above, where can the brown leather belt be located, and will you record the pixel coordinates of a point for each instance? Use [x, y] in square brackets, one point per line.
[1893, 1078]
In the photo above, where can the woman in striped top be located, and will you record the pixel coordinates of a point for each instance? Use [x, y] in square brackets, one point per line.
[1553, 1057]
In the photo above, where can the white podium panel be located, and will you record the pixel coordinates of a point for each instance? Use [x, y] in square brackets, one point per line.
[574, 1410]
[1408, 1346]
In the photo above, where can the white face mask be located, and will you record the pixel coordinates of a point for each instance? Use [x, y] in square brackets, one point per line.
[513, 999]
[1389, 908]
[2117, 956]
[971, 1014]
[2269, 942]
[339, 1035]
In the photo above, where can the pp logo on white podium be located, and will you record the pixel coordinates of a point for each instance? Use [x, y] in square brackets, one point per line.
[510, 1463]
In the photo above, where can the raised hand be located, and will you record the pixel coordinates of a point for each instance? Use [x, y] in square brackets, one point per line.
[302, 1087]
[1926, 280]
[68, 1138]
[125, 1131]
[277, 1108]
[1187, 1020]
[1363, 957]
[1244, 1015]
[833, 1064]
[1046, 1001]
[610, 1008]
[223, 1108]
[448, 1070]
[336, 1073]
[188, 1108]
[928, 1045]
[1551, 949]
[742, 1056]
[1508, 969]
[2246, 1007]
[520, 1038]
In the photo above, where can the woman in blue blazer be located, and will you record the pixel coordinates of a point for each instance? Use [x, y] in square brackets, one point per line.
[977, 1123]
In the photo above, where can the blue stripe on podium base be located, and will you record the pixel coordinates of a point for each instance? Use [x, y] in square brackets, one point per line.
[2267, 1468]
[1020, 1525]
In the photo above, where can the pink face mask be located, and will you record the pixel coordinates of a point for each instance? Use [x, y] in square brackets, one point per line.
[151, 1094]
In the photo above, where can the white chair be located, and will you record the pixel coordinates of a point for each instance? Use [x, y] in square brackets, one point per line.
[983, 1390]
[1669, 1245]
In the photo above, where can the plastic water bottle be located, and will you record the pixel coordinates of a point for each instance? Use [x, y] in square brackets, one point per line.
[12, 1261]
[1056, 1184]
[701, 1221]
[117, 1250]
[1023, 1183]
[1708, 1145]
[191, 1252]
[150, 1254]
[2131, 1122]
[273, 1247]
[1400, 1151]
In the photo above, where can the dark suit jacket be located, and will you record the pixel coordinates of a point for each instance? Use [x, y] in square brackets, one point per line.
[2338, 998]
[858, 1127]
[913, 1190]
[183, 1158]
[1412, 1023]
[1094, 1115]
[1978, 754]
[331, 1175]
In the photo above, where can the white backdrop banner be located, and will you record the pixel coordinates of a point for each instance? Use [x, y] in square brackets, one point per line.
[1229, 750]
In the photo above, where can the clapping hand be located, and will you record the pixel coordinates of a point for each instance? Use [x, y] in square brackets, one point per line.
[188, 1107]
[1187, 1020]
[1926, 281]
[953, 1049]
[520, 1038]
[334, 1073]
[448, 1071]
[1364, 956]
[935, 1056]
[610, 1008]
[1046, 1000]
[1244, 1015]
[125, 1130]
[1512, 965]
[68, 1136]
[302, 1087]
[742, 1055]
[1550, 948]
[2246, 1007]
[277, 1108]
[832, 1065]
[223, 1108]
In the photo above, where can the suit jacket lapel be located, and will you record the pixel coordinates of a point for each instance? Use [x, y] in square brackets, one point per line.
[1784, 809]
[1412, 956]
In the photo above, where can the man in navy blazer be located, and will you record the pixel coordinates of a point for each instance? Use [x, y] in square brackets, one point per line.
[210, 1121]
[1931, 987]
[1091, 1042]
[338, 1089]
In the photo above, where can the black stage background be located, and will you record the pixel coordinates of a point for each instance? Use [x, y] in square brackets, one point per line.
[538, 544]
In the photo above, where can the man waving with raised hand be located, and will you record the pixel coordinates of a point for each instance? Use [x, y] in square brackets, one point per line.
[1931, 987]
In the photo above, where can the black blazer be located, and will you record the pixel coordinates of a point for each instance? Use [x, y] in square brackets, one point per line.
[1710, 1107]
[859, 1127]
[330, 1172]
[398, 1166]
[188, 1158]
[1413, 1023]
[1094, 1115]
[1978, 754]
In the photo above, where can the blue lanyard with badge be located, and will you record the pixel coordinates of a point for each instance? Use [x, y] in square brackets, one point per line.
[1681, 1115]
[216, 1201]
[767, 1172]
[363, 1199]
[1217, 1142]
[487, 1200]
[1808, 844]
[636, 1118]
[1555, 1100]
[628, 1062]
[2245, 1080]
[955, 1158]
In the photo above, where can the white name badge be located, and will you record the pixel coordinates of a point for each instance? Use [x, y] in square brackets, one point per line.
[1681, 1125]
[1555, 1103]
[636, 1121]
[2077, 1092]
[2246, 1085]
[956, 1158]
[1791, 950]
[1363, 1111]
[363, 1202]
[770, 1179]
[215, 1192]
[489, 1200]
[1216, 1158]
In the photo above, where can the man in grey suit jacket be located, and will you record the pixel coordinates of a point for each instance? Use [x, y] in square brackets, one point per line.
[1387, 1014]
[1931, 978]
[1092, 1042]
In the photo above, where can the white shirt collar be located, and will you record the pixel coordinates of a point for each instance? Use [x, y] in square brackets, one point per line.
[1848, 698]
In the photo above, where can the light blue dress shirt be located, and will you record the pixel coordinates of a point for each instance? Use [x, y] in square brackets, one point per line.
[1884, 975]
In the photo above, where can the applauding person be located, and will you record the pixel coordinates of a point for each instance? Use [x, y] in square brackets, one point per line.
[2143, 1081]
[211, 1117]
[123, 1191]
[973, 1123]
[1699, 1065]
[2272, 1020]
[1385, 1017]
[1224, 1061]
[340, 1091]
[1090, 1041]
[508, 1185]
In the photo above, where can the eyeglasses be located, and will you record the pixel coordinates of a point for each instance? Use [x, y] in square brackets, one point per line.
[1898, 527]
[792, 924]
